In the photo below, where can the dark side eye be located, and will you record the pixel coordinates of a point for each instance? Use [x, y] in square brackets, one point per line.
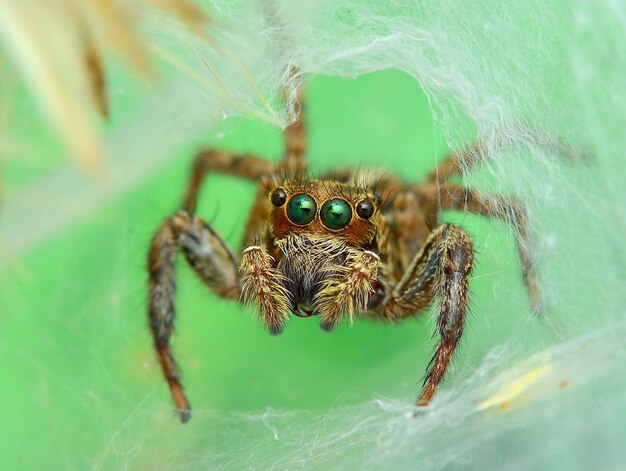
[365, 209]
[336, 214]
[301, 209]
[279, 197]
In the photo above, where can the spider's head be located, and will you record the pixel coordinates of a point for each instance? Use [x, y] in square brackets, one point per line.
[315, 227]
[325, 210]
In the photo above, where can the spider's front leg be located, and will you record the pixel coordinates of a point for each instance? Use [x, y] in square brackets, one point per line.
[212, 260]
[442, 268]
[262, 286]
[347, 289]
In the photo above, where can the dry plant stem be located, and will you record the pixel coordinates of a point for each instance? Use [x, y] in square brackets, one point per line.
[69, 82]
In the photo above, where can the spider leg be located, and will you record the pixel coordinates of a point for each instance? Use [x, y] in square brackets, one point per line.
[245, 166]
[212, 260]
[441, 268]
[347, 289]
[476, 153]
[294, 161]
[453, 164]
[435, 198]
[205, 251]
[293, 164]
[262, 286]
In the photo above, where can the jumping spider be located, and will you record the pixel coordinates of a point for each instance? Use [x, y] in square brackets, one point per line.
[328, 247]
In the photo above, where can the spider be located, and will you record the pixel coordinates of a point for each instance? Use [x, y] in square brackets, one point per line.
[329, 247]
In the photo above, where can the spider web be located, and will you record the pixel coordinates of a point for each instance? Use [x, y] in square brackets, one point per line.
[529, 393]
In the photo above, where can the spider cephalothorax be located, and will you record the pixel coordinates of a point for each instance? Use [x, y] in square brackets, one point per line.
[320, 234]
[327, 247]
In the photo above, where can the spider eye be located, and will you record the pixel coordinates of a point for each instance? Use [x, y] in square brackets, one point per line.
[365, 209]
[336, 214]
[301, 209]
[279, 197]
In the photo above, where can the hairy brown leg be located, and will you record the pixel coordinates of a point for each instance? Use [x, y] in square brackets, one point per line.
[256, 225]
[435, 198]
[475, 154]
[294, 160]
[262, 286]
[408, 230]
[293, 164]
[441, 268]
[206, 252]
[161, 309]
[350, 292]
[244, 166]
[453, 164]
[211, 259]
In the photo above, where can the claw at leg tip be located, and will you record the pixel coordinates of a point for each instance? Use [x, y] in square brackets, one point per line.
[421, 407]
[275, 329]
[185, 415]
[539, 309]
[327, 326]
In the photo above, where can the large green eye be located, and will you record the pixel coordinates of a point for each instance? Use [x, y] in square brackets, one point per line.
[336, 214]
[301, 209]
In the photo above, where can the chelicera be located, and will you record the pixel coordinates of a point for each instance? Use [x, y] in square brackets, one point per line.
[328, 247]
